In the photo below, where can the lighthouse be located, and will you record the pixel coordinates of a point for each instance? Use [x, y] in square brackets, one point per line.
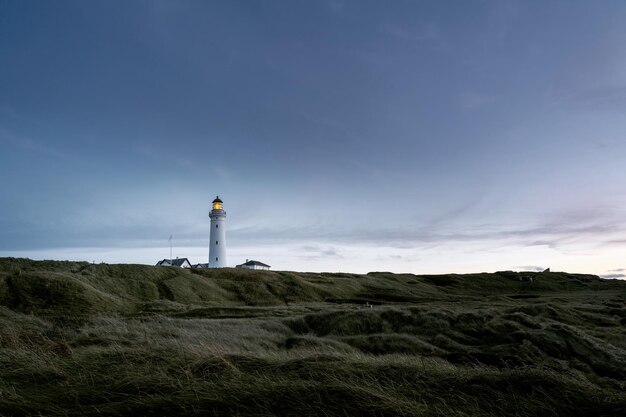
[217, 242]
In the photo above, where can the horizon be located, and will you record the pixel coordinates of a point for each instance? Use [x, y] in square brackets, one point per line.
[520, 269]
[343, 136]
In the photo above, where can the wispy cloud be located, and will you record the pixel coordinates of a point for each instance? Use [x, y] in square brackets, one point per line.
[30, 145]
[173, 156]
[316, 252]
[557, 234]
[530, 268]
[615, 242]
[613, 276]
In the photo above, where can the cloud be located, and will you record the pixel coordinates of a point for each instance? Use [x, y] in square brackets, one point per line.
[548, 243]
[146, 219]
[561, 234]
[39, 237]
[34, 146]
[166, 156]
[445, 217]
[530, 268]
[316, 252]
[395, 258]
[616, 242]
[613, 276]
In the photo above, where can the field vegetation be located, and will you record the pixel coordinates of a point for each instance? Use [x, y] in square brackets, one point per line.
[79, 339]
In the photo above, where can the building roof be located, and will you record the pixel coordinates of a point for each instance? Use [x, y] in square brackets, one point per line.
[257, 263]
[174, 262]
[217, 200]
[200, 266]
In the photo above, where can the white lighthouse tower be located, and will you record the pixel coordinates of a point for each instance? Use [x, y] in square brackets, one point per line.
[217, 242]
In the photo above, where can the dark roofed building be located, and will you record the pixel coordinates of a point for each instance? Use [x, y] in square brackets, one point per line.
[179, 262]
[200, 266]
[250, 264]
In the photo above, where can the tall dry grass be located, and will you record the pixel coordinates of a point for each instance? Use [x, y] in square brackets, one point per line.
[79, 339]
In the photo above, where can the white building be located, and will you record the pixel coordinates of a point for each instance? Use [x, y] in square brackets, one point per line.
[217, 239]
[250, 264]
[179, 262]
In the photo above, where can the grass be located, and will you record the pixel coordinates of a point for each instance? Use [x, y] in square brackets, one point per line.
[78, 339]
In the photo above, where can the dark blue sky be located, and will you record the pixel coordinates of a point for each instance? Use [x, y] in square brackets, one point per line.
[407, 136]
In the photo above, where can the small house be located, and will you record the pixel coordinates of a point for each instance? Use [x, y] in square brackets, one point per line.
[250, 264]
[179, 262]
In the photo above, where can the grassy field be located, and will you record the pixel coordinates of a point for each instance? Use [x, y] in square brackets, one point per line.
[78, 339]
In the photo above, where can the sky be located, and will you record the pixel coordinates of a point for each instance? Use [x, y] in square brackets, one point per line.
[353, 136]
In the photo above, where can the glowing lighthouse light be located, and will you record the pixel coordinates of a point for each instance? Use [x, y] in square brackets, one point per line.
[217, 242]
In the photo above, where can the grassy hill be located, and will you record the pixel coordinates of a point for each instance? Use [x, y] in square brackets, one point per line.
[81, 339]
